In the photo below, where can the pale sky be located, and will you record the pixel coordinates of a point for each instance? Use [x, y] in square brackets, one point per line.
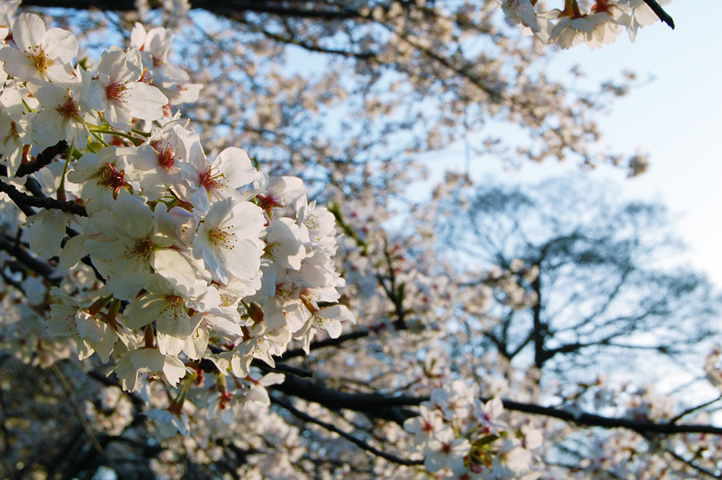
[677, 118]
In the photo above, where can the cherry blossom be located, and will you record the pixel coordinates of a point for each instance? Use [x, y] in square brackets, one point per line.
[40, 53]
[228, 240]
[195, 274]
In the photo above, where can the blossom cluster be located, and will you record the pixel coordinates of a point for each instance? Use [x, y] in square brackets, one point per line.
[628, 454]
[571, 26]
[178, 266]
[462, 437]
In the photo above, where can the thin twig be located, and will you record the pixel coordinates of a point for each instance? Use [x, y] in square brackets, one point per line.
[356, 441]
[314, 48]
[280, 367]
[695, 408]
[7, 444]
[38, 266]
[693, 465]
[68, 389]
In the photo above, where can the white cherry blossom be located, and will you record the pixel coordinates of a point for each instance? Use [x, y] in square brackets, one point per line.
[40, 53]
[119, 93]
[228, 240]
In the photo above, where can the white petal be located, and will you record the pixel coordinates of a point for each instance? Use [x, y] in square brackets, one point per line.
[235, 166]
[61, 44]
[145, 101]
[28, 31]
[175, 268]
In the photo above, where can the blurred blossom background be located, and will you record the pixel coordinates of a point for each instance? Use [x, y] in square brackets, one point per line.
[673, 114]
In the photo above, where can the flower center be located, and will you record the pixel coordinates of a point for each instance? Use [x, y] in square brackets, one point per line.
[143, 248]
[113, 178]
[221, 238]
[39, 58]
[166, 156]
[115, 92]
[267, 202]
[210, 181]
[176, 305]
[311, 221]
[70, 108]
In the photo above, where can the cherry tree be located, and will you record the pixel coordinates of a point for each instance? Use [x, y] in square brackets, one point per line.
[593, 270]
[199, 273]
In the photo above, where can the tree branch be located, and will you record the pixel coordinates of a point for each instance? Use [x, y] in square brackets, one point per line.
[24, 201]
[659, 11]
[356, 441]
[225, 8]
[314, 48]
[85, 425]
[44, 158]
[694, 409]
[382, 406]
[372, 404]
[17, 251]
[693, 465]
[328, 342]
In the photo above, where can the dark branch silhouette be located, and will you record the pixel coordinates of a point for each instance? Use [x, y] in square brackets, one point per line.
[23, 201]
[44, 158]
[659, 11]
[383, 406]
[224, 8]
[356, 441]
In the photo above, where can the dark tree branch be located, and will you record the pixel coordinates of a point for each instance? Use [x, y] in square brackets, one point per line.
[38, 266]
[329, 342]
[34, 187]
[659, 11]
[539, 332]
[591, 420]
[372, 404]
[44, 158]
[382, 406]
[356, 441]
[24, 201]
[225, 8]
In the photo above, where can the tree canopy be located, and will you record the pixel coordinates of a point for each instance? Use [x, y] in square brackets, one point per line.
[209, 267]
[593, 273]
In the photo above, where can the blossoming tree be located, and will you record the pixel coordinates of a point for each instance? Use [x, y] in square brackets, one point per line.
[176, 288]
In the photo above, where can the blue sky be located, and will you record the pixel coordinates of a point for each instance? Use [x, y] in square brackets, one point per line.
[676, 118]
